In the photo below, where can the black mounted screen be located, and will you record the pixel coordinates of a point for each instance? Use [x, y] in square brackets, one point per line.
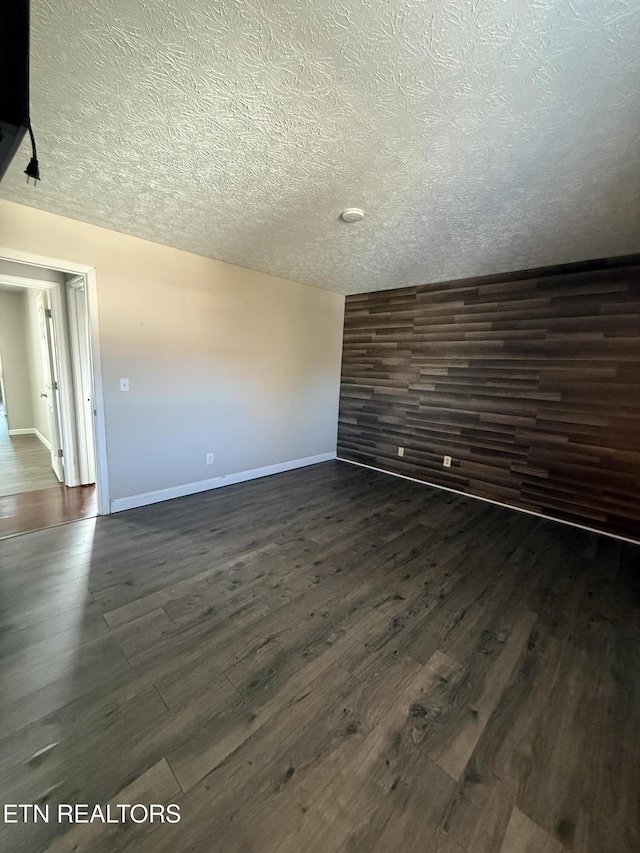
[14, 78]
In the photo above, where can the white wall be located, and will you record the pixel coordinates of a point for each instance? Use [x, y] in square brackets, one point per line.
[15, 362]
[219, 358]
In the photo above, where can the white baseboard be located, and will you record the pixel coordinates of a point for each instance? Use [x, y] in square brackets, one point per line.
[489, 501]
[120, 504]
[45, 441]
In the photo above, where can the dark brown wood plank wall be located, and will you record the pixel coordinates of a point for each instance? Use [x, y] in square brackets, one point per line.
[530, 382]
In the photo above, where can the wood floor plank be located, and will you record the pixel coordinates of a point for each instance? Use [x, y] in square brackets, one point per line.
[374, 775]
[83, 770]
[525, 836]
[261, 765]
[37, 671]
[497, 774]
[192, 767]
[25, 462]
[443, 843]
[155, 785]
[452, 753]
[185, 593]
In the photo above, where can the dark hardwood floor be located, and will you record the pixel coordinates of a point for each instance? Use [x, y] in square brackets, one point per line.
[29, 511]
[324, 660]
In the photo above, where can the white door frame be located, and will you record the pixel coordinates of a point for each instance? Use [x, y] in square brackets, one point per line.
[58, 344]
[82, 386]
[60, 323]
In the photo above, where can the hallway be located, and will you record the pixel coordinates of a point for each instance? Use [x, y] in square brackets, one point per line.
[30, 495]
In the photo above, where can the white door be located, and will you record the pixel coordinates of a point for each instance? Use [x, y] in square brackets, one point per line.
[82, 384]
[2, 393]
[50, 391]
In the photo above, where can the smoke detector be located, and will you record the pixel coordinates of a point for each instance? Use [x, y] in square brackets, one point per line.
[352, 214]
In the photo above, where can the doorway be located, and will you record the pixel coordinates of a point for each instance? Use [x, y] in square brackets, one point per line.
[50, 470]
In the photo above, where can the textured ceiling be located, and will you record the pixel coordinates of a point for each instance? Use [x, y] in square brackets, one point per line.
[479, 136]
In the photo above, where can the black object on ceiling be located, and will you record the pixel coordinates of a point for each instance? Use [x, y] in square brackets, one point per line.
[14, 83]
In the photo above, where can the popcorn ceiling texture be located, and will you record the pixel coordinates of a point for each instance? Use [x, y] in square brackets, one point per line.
[479, 136]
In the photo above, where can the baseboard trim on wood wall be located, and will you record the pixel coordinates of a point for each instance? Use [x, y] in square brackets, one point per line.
[120, 504]
[490, 501]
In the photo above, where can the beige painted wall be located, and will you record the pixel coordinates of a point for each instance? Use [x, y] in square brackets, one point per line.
[15, 361]
[220, 359]
[34, 352]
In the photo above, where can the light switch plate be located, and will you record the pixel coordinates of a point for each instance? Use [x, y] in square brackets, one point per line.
[124, 384]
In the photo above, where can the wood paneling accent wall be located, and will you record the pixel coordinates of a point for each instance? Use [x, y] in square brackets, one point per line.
[530, 382]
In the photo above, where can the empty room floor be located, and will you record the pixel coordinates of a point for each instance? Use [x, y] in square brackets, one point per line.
[30, 495]
[324, 660]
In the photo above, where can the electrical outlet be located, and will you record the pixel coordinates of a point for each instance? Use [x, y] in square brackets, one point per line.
[447, 462]
[401, 451]
[209, 458]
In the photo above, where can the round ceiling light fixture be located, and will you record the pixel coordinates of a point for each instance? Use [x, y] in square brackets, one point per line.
[352, 214]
